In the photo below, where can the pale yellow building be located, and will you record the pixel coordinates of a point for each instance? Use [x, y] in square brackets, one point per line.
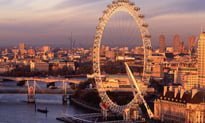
[157, 65]
[110, 54]
[190, 81]
[182, 72]
[157, 71]
[201, 60]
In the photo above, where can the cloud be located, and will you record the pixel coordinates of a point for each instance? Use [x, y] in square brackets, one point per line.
[177, 7]
[65, 4]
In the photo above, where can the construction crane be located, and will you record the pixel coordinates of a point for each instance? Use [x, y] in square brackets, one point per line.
[132, 79]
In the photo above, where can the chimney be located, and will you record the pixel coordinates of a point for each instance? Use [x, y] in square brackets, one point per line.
[176, 91]
[182, 93]
[165, 90]
[193, 92]
[170, 88]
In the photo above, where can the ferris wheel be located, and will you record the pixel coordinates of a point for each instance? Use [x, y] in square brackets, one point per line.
[134, 12]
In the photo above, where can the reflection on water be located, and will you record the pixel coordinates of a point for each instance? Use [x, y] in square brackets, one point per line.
[14, 109]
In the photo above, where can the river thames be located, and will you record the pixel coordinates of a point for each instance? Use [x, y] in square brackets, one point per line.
[15, 109]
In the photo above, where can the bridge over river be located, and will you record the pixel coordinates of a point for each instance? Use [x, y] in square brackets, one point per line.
[12, 90]
[42, 79]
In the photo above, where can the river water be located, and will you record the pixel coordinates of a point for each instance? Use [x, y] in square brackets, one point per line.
[15, 109]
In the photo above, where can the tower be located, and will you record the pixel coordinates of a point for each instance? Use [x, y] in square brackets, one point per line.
[181, 47]
[162, 44]
[201, 60]
[22, 48]
[176, 43]
[191, 43]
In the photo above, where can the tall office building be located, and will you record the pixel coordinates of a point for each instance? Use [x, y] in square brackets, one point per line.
[21, 46]
[162, 44]
[201, 60]
[176, 43]
[181, 47]
[191, 43]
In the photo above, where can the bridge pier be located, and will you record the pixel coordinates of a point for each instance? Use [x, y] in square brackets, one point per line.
[65, 95]
[31, 92]
[105, 114]
[65, 99]
[135, 115]
[104, 110]
[30, 98]
[131, 114]
[126, 114]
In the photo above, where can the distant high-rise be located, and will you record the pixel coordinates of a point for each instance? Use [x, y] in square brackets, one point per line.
[176, 43]
[162, 44]
[201, 60]
[22, 48]
[191, 43]
[46, 49]
[181, 47]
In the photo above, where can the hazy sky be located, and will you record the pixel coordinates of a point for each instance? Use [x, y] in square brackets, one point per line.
[52, 21]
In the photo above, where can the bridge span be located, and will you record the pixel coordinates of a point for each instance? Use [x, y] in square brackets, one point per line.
[41, 79]
[8, 90]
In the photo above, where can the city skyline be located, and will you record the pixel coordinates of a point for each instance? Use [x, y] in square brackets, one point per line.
[58, 57]
[42, 22]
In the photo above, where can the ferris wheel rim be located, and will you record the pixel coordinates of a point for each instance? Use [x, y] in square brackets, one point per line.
[111, 9]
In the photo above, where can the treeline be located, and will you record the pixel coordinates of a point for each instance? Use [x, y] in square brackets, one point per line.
[80, 69]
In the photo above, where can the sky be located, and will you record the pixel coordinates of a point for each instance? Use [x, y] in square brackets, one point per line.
[40, 22]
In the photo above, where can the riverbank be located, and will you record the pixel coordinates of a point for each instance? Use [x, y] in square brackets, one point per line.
[84, 105]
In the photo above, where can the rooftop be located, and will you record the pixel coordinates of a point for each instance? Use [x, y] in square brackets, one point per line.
[193, 97]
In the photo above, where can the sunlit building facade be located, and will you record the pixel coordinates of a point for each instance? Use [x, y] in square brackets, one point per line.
[176, 105]
[186, 76]
[186, 103]
[201, 60]
[190, 81]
